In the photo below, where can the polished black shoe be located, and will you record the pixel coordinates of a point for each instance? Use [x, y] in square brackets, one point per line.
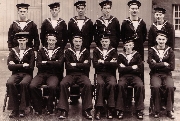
[21, 113]
[97, 114]
[87, 114]
[120, 114]
[170, 115]
[13, 114]
[139, 114]
[109, 114]
[156, 115]
[63, 114]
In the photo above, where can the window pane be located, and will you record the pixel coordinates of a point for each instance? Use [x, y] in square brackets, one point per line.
[176, 27]
[179, 21]
[176, 14]
[179, 27]
[176, 21]
[176, 7]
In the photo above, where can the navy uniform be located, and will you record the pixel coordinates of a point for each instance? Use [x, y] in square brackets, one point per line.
[139, 31]
[106, 79]
[166, 26]
[23, 26]
[76, 75]
[161, 75]
[48, 73]
[110, 25]
[21, 76]
[129, 76]
[83, 26]
[60, 28]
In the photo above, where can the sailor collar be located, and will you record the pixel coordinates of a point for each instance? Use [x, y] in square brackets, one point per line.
[74, 52]
[130, 21]
[17, 52]
[108, 51]
[53, 52]
[155, 24]
[58, 21]
[103, 22]
[163, 54]
[75, 19]
[18, 23]
[126, 55]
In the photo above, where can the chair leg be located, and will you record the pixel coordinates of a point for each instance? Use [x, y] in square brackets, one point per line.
[5, 100]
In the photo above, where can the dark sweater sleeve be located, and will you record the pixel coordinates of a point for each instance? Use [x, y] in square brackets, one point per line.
[13, 67]
[35, 37]
[95, 59]
[64, 34]
[123, 31]
[10, 36]
[118, 33]
[171, 37]
[144, 31]
[43, 34]
[85, 65]
[125, 69]
[39, 63]
[154, 65]
[171, 62]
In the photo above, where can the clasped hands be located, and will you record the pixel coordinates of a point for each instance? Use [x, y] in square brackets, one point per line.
[74, 64]
[24, 64]
[134, 66]
[165, 63]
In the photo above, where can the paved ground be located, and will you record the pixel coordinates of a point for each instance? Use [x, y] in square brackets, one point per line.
[75, 110]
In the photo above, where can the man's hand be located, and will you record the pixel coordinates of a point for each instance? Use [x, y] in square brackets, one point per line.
[166, 64]
[73, 64]
[134, 66]
[25, 65]
[114, 60]
[44, 61]
[122, 65]
[86, 61]
[100, 61]
[11, 62]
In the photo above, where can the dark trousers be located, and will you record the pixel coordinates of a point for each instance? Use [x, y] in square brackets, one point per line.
[156, 81]
[106, 86]
[86, 92]
[36, 94]
[22, 80]
[137, 83]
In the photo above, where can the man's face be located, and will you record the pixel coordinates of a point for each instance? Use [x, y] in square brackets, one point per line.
[159, 16]
[106, 10]
[22, 42]
[22, 13]
[77, 42]
[81, 10]
[55, 11]
[134, 10]
[129, 46]
[51, 40]
[105, 42]
[161, 40]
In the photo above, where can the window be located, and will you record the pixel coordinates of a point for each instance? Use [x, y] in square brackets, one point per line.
[176, 19]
